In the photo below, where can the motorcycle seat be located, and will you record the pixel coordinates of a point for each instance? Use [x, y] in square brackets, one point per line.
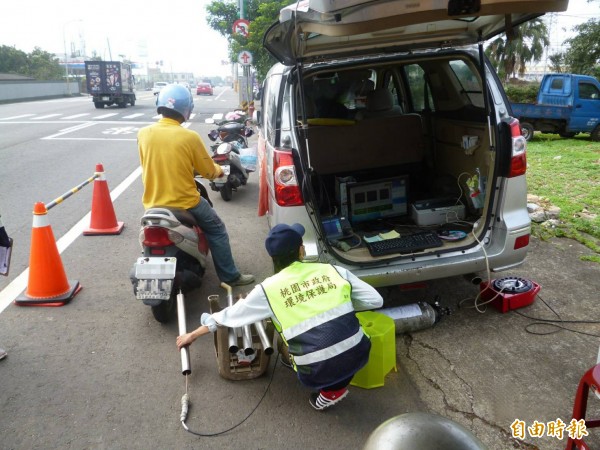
[183, 215]
[232, 127]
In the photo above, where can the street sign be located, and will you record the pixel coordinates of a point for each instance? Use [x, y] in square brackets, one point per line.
[245, 58]
[241, 26]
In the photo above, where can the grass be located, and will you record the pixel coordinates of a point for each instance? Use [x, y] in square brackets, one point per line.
[566, 172]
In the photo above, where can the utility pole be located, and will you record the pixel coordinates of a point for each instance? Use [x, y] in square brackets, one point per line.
[246, 93]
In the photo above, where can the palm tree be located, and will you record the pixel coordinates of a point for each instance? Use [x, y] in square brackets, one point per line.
[510, 56]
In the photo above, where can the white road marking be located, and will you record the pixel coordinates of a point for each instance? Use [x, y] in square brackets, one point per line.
[47, 116]
[17, 117]
[68, 130]
[105, 116]
[75, 116]
[131, 116]
[19, 284]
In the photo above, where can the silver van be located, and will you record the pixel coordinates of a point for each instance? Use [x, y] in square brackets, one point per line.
[385, 131]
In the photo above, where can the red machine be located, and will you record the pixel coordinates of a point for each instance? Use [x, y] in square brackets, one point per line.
[509, 293]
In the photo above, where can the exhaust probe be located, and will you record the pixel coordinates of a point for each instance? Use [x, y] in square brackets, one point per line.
[186, 371]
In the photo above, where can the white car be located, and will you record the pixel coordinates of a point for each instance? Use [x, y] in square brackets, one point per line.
[158, 86]
[396, 149]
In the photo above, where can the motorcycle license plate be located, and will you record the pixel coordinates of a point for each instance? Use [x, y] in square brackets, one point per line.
[155, 277]
[226, 171]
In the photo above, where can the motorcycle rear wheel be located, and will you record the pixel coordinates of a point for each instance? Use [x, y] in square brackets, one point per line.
[226, 192]
[164, 311]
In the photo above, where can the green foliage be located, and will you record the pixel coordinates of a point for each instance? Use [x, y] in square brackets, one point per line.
[261, 14]
[38, 64]
[567, 173]
[584, 52]
[522, 93]
[511, 56]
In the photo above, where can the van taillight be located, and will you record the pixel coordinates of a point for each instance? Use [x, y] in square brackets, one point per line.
[521, 241]
[287, 191]
[156, 237]
[518, 160]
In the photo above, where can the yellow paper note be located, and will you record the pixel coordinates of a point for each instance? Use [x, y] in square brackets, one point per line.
[389, 235]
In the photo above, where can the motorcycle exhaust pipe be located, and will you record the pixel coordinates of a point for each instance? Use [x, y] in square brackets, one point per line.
[185, 353]
[232, 332]
[247, 340]
[264, 339]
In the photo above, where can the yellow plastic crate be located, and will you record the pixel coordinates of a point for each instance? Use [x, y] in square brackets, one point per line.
[382, 357]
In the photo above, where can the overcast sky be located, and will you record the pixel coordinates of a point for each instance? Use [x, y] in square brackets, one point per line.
[153, 30]
[175, 32]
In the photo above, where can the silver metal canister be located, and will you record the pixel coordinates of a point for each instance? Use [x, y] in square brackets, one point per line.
[413, 317]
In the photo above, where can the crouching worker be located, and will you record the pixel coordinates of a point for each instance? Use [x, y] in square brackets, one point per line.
[312, 306]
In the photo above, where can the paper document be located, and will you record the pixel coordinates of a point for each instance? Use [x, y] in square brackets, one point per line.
[389, 235]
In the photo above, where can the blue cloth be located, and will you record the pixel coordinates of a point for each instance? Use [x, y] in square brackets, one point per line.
[218, 241]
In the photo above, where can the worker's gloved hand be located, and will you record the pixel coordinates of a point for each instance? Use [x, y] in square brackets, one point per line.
[207, 320]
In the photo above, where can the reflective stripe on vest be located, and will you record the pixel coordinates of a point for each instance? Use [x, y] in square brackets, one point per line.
[329, 352]
[312, 306]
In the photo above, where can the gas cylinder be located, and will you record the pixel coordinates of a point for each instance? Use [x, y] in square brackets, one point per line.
[415, 316]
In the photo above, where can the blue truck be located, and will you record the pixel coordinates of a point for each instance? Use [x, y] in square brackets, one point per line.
[567, 104]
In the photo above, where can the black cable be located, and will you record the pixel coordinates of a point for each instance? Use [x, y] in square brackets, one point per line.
[249, 414]
[553, 322]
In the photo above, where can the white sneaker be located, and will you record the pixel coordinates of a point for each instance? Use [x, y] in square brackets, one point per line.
[242, 280]
[3, 354]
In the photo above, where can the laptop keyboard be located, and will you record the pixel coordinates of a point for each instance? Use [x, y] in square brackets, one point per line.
[405, 244]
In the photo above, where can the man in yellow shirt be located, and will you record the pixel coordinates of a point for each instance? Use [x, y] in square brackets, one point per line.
[170, 156]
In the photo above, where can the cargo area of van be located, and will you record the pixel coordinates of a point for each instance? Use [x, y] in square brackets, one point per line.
[387, 164]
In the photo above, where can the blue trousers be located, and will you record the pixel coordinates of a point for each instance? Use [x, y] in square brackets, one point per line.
[218, 241]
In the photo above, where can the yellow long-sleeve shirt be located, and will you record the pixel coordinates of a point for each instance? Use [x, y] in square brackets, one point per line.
[169, 154]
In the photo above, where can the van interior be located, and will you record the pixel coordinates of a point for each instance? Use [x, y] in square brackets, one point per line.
[396, 147]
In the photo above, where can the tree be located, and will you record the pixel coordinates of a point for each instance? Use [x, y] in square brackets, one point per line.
[38, 64]
[584, 52]
[511, 56]
[13, 61]
[261, 14]
[43, 65]
[557, 62]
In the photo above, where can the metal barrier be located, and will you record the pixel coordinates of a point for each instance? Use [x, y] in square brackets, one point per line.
[70, 192]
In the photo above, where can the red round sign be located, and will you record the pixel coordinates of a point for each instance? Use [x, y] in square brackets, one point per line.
[241, 26]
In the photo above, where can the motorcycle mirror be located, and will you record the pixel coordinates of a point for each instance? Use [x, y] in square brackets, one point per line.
[213, 135]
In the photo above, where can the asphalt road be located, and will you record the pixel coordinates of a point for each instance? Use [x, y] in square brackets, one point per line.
[100, 373]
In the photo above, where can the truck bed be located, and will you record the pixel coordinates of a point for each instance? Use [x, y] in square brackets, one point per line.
[531, 111]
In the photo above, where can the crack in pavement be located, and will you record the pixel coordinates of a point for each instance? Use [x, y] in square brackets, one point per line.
[468, 413]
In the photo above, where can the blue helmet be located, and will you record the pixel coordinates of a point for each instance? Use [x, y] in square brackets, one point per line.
[177, 98]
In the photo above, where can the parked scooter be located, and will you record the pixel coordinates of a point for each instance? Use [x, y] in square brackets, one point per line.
[233, 128]
[174, 257]
[227, 155]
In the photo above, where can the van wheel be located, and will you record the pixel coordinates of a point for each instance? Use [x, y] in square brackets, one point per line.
[226, 192]
[596, 134]
[527, 130]
[132, 102]
[99, 105]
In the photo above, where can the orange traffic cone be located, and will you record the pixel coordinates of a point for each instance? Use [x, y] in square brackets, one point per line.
[48, 284]
[103, 219]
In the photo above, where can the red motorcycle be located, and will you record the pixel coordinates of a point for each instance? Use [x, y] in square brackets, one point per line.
[174, 254]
